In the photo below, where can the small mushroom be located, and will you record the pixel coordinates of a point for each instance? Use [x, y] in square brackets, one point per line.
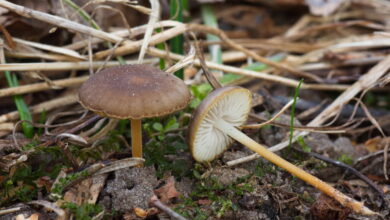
[214, 127]
[134, 92]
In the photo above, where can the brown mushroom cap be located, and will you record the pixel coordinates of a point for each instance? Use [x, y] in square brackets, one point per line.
[133, 92]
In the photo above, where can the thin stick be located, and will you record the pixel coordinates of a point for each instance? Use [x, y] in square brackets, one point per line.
[156, 202]
[232, 44]
[112, 123]
[59, 50]
[123, 33]
[10, 210]
[261, 75]
[58, 21]
[153, 18]
[57, 66]
[44, 106]
[130, 47]
[36, 54]
[36, 87]
[349, 168]
[254, 126]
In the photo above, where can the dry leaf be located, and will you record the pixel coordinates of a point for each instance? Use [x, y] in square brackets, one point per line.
[34, 216]
[140, 212]
[168, 191]
[376, 144]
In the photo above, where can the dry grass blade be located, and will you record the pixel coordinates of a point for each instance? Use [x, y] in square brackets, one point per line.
[51, 206]
[58, 21]
[130, 47]
[120, 164]
[254, 126]
[44, 106]
[123, 33]
[58, 66]
[10, 210]
[222, 35]
[55, 84]
[153, 18]
[54, 49]
[245, 72]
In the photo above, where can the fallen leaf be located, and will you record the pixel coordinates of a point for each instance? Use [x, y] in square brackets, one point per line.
[376, 144]
[168, 191]
[140, 212]
[34, 216]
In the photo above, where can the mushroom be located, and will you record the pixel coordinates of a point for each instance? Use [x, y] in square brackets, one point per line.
[134, 92]
[214, 127]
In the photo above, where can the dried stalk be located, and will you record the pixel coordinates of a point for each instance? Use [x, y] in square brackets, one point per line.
[36, 87]
[44, 106]
[250, 73]
[59, 21]
[59, 66]
[130, 47]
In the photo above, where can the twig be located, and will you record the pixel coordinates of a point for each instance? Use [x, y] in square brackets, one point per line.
[261, 75]
[112, 123]
[44, 106]
[51, 206]
[153, 18]
[327, 130]
[232, 44]
[210, 77]
[156, 202]
[58, 21]
[10, 210]
[120, 164]
[56, 66]
[123, 33]
[7, 126]
[59, 50]
[346, 167]
[253, 126]
[130, 47]
[36, 87]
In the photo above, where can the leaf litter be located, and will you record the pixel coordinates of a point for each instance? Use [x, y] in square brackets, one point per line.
[79, 166]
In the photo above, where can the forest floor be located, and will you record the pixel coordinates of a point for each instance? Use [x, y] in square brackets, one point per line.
[318, 72]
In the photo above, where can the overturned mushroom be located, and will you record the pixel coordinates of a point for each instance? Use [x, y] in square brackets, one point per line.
[134, 92]
[213, 128]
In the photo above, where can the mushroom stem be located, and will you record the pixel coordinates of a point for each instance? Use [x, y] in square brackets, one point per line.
[136, 138]
[308, 178]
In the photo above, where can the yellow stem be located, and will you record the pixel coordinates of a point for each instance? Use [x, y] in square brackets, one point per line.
[308, 178]
[136, 138]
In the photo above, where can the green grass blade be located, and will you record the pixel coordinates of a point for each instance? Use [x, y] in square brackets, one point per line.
[292, 117]
[176, 43]
[210, 20]
[161, 46]
[21, 106]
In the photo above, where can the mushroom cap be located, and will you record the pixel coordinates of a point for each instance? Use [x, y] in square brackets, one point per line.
[133, 92]
[232, 104]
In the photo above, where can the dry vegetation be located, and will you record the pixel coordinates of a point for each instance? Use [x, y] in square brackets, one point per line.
[318, 71]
